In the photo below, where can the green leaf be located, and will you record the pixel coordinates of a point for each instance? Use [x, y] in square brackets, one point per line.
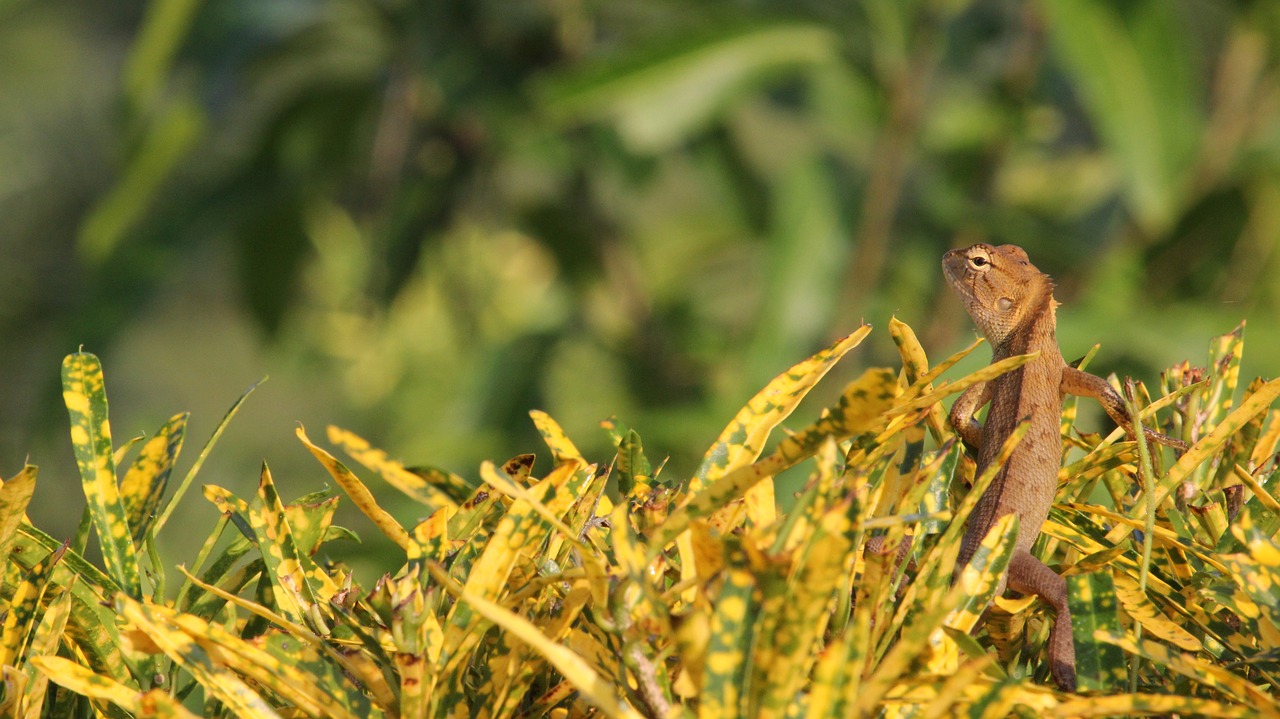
[151, 56]
[204, 453]
[635, 474]
[659, 100]
[1134, 65]
[167, 141]
[804, 269]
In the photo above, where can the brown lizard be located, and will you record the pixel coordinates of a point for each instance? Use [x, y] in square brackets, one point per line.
[1012, 304]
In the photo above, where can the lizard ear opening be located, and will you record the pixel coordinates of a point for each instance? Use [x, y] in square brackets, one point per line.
[1004, 304]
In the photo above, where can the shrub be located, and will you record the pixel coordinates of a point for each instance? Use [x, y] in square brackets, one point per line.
[613, 589]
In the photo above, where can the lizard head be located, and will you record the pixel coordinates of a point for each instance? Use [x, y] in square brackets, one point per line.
[999, 287]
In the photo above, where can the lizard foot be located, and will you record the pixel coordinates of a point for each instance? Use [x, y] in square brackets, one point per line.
[1062, 654]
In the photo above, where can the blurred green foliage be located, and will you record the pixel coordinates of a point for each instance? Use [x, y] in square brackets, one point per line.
[425, 219]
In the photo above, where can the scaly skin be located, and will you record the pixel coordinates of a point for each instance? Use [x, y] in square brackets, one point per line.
[1012, 304]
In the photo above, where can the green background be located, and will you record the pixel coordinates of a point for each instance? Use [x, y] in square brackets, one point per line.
[424, 219]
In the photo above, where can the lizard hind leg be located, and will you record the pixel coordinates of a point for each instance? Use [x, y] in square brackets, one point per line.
[1030, 576]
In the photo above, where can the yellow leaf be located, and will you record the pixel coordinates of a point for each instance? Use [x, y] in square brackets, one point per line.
[859, 410]
[601, 693]
[84, 393]
[15, 496]
[360, 494]
[743, 439]
[82, 680]
[142, 488]
[393, 472]
[1206, 673]
[1203, 450]
[178, 646]
[1152, 620]
[1147, 705]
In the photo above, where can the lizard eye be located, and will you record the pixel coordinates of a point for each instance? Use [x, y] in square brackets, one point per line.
[978, 262]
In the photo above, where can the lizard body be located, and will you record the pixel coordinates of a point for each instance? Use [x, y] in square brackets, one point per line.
[1012, 304]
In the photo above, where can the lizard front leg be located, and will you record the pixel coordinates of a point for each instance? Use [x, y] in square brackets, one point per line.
[1030, 576]
[962, 414]
[1083, 384]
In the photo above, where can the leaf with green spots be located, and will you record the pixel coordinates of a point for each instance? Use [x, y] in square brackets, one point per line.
[84, 392]
[521, 663]
[44, 642]
[1257, 573]
[1225, 353]
[417, 638]
[835, 678]
[156, 704]
[220, 662]
[582, 522]
[1265, 448]
[916, 364]
[301, 588]
[914, 401]
[792, 635]
[521, 531]
[142, 489]
[562, 448]
[297, 670]
[310, 520]
[981, 576]
[1092, 599]
[1162, 705]
[91, 627]
[724, 690]
[744, 438]
[21, 614]
[859, 410]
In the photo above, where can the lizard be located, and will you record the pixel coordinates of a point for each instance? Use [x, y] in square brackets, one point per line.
[1011, 303]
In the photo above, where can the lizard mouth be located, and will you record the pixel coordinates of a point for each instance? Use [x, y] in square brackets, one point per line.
[954, 268]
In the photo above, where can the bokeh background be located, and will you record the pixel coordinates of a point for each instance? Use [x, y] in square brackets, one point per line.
[424, 219]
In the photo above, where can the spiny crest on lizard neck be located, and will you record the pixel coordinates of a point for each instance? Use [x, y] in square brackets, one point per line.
[1000, 288]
